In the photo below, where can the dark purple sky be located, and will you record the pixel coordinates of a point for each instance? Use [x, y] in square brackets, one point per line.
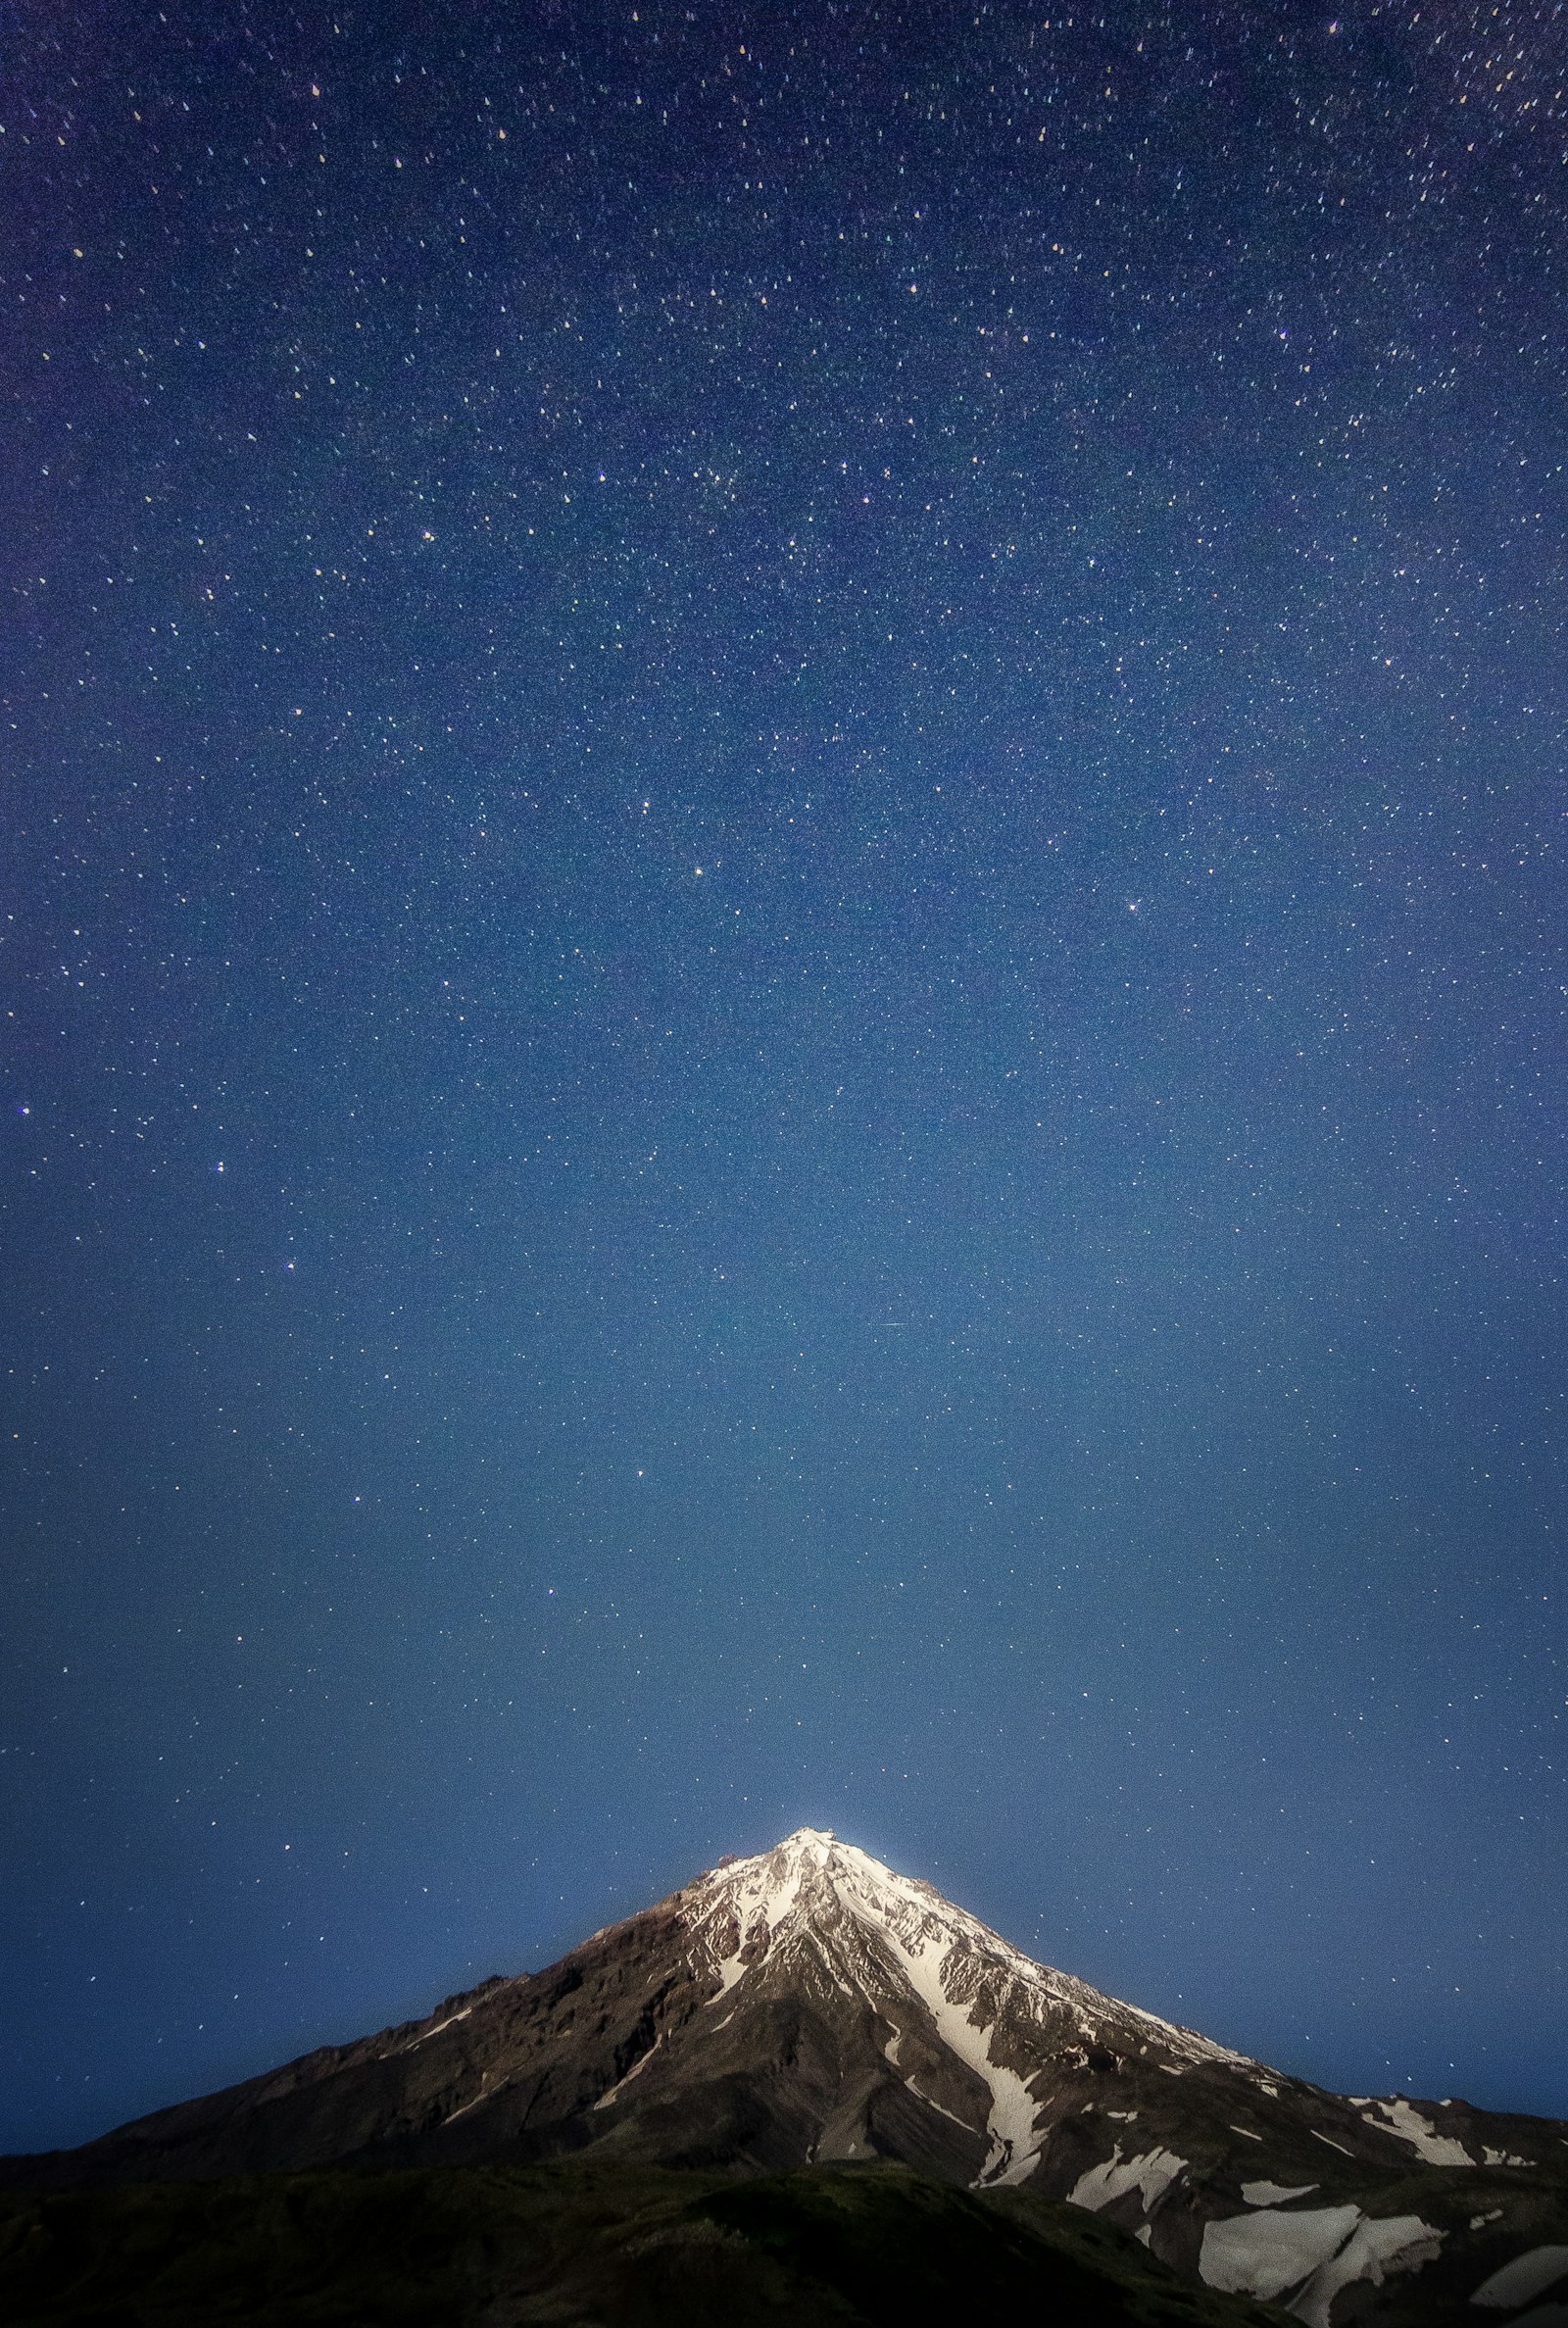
[784, 983]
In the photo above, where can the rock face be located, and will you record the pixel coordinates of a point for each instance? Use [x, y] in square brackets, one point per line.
[811, 2005]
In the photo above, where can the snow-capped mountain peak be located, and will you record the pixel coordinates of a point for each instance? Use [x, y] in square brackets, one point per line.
[876, 1934]
[814, 1896]
[809, 2004]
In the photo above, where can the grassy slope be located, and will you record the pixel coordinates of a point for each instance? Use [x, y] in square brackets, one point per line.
[577, 2243]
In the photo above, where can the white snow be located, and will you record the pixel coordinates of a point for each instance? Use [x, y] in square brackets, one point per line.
[1011, 2121]
[1494, 2216]
[917, 1919]
[925, 1932]
[1265, 2254]
[1400, 2118]
[760, 1892]
[1248, 2131]
[967, 1978]
[932, 2102]
[1374, 2249]
[1150, 2175]
[1528, 2275]
[1333, 2145]
[1316, 2253]
[636, 2070]
[890, 2052]
[1188, 2041]
[450, 2022]
[1503, 2158]
[1274, 2194]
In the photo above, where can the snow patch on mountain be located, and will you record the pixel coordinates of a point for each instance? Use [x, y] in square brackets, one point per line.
[1150, 2175]
[760, 1894]
[450, 2022]
[622, 2083]
[1266, 2193]
[1188, 2042]
[941, 2109]
[1401, 2119]
[1263, 2254]
[1011, 2123]
[1314, 2254]
[1376, 2248]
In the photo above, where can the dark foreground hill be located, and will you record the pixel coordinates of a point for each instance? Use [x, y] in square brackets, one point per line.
[577, 2242]
[810, 2008]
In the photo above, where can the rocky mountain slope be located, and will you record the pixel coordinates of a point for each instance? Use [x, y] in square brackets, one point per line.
[811, 2007]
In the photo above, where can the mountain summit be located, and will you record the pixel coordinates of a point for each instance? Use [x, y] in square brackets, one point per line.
[811, 2005]
[943, 2019]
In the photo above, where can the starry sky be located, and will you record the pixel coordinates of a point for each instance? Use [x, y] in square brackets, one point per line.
[783, 1005]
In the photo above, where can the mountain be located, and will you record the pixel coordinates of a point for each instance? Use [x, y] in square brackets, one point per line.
[810, 2007]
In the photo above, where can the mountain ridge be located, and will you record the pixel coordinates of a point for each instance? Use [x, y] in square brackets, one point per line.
[810, 2006]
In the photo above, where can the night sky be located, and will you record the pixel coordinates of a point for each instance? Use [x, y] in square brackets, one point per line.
[783, 987]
